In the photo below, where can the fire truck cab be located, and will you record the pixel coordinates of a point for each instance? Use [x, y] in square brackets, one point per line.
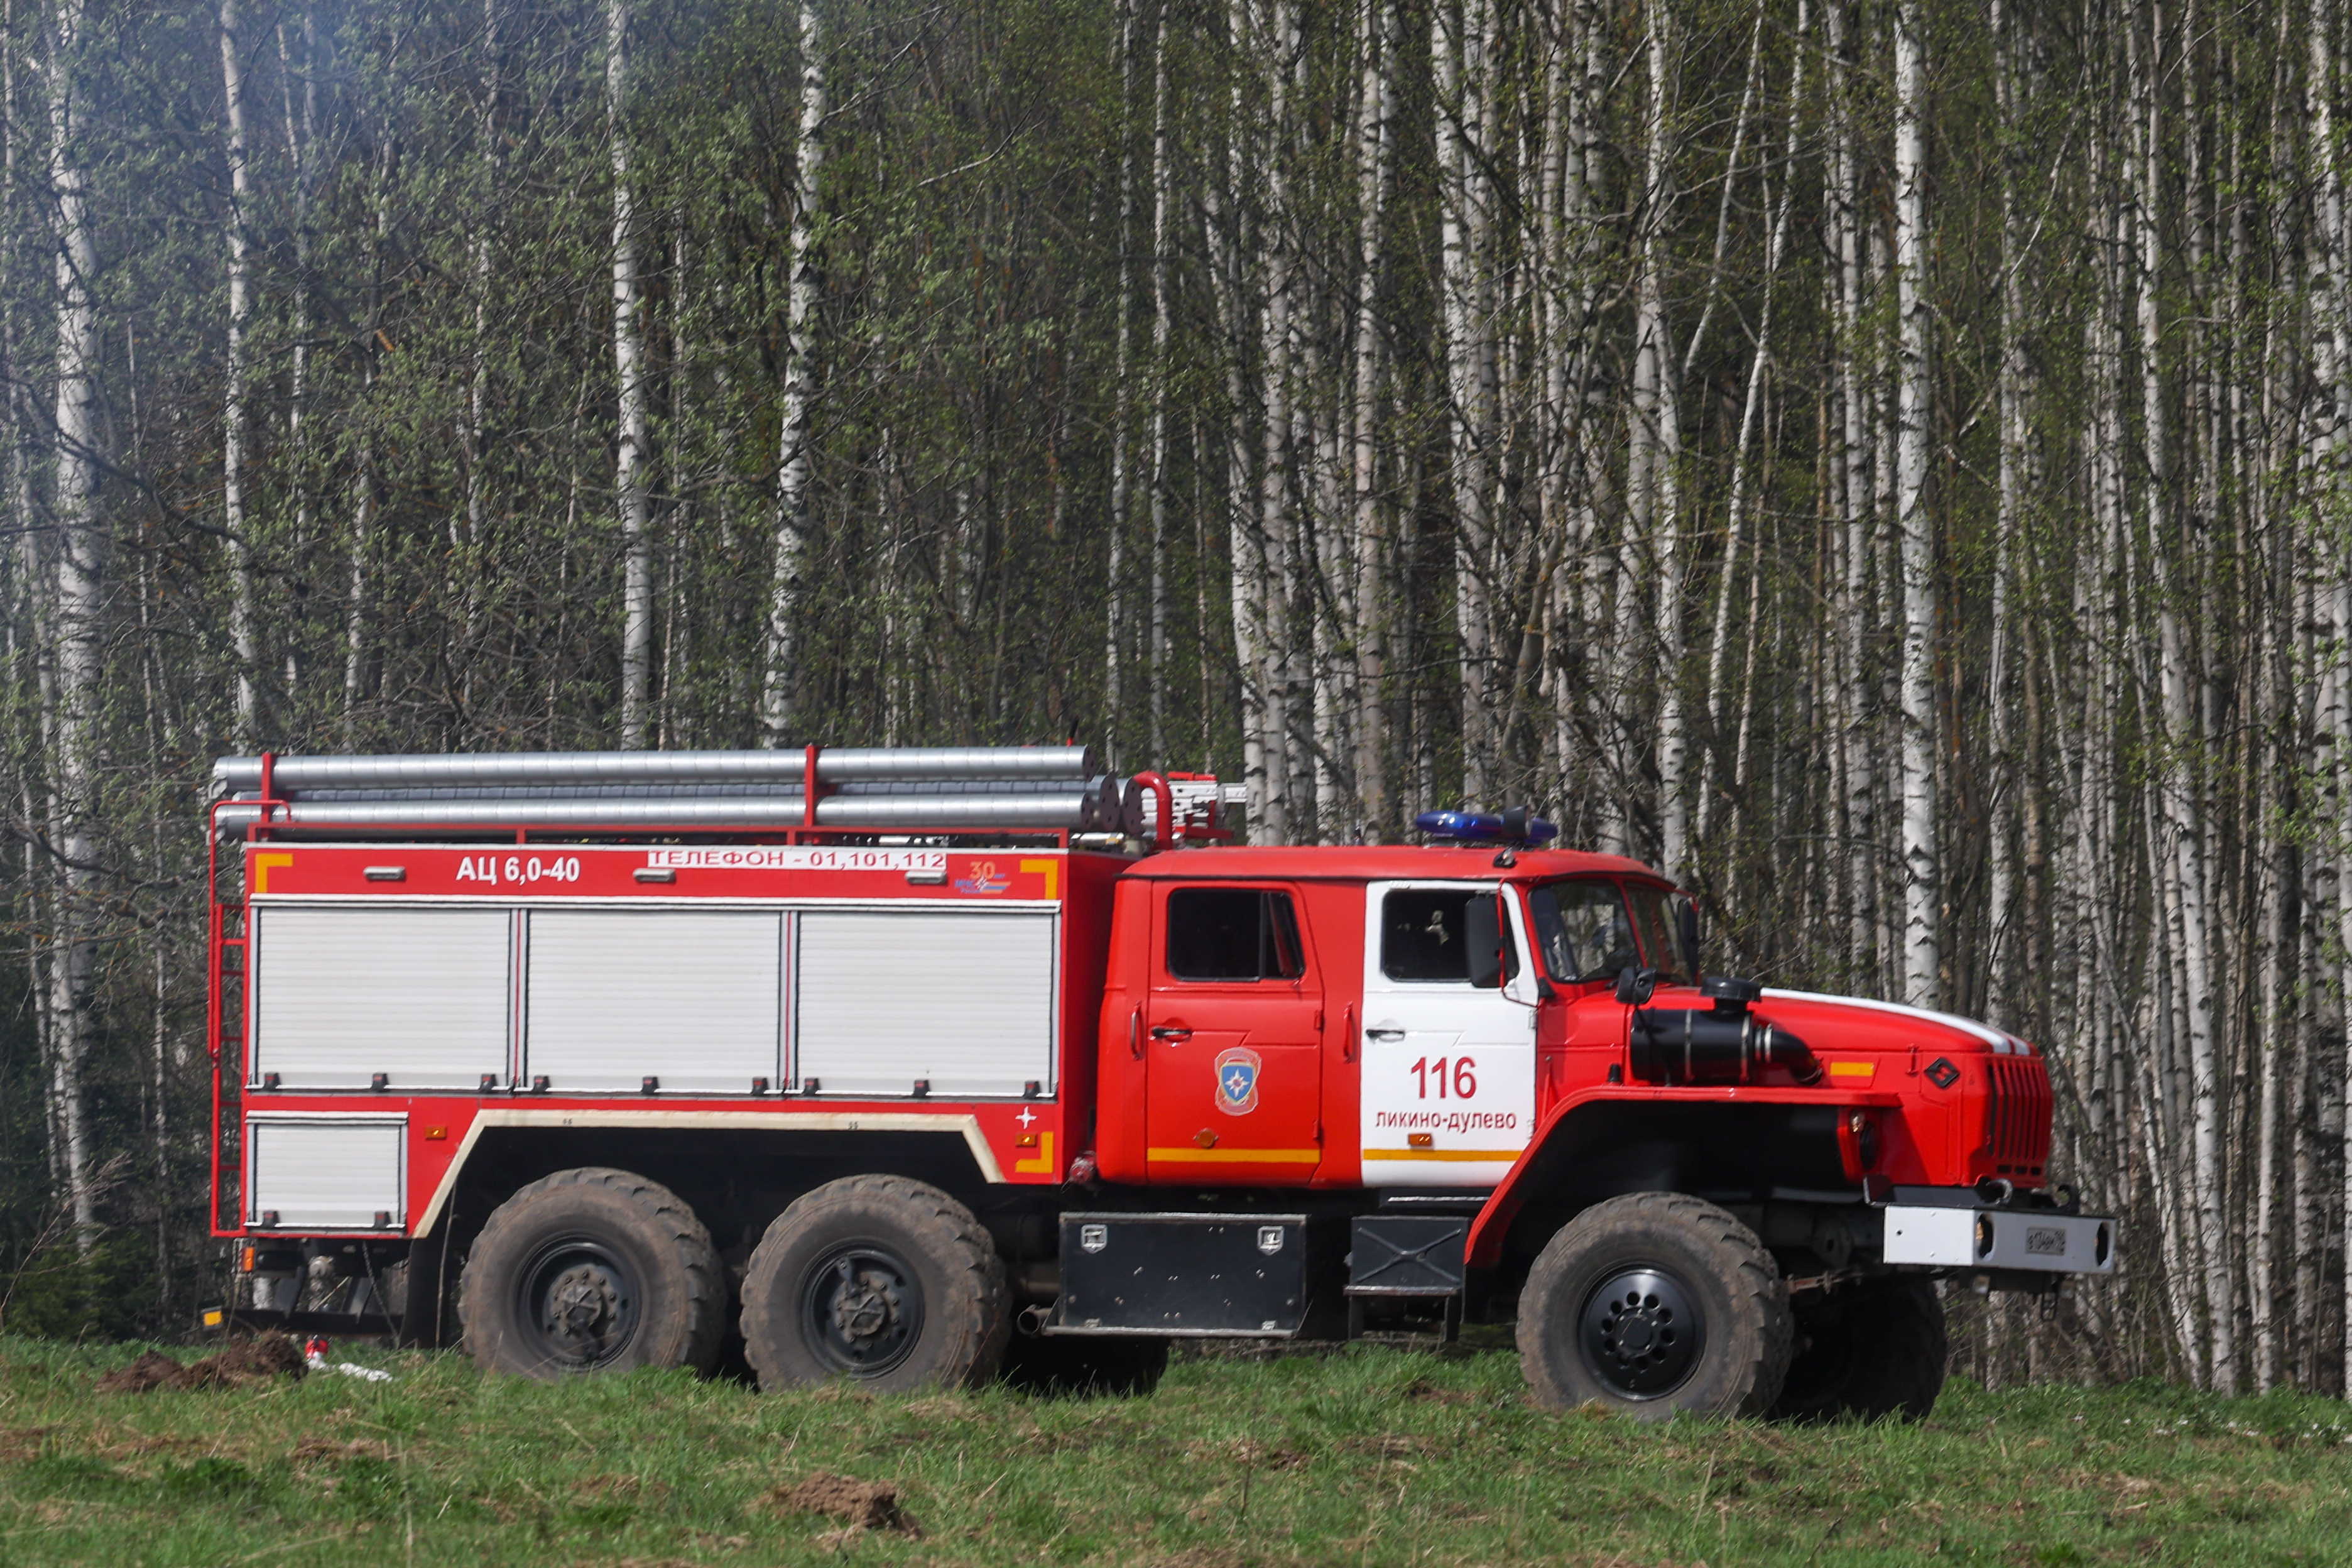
[608, 1060]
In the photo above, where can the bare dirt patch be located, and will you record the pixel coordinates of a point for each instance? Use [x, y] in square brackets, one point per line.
[861, 1505]
[234, 1365]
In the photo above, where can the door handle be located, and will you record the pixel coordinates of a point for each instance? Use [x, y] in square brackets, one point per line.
[1170, 1032]
[1384, 1033]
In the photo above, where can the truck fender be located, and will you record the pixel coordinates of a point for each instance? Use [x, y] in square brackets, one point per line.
[688, 1123]
[1579, 1121]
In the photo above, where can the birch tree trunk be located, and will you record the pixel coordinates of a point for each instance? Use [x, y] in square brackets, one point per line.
[1277, 522]
[633, 459]
[1459, 49]
[1376, 114]
[777, 714]
[76, 624]
[1922, 913]
[1162, 325]
[1850, 462]
[1122, 398]
[240, 308]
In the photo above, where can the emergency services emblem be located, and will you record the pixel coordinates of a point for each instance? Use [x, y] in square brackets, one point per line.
[1238, 1081]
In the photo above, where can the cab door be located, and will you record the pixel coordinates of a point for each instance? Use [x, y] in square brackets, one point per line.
[1449, 1079]
[1233, 1040]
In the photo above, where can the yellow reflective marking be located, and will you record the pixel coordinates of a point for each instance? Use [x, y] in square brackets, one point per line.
[1053, 870]
[261, 865]
[1863, 1070]
[1043, 1165]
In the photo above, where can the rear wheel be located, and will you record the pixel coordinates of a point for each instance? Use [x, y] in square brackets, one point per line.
[592, 1271]
[885, 1281]
[1877, 1349]
[1656, 1305]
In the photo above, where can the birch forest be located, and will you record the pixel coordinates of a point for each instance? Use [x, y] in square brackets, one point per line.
[1886, 463]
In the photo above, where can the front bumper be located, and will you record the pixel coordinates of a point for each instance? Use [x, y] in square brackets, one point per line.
[1961, 1235]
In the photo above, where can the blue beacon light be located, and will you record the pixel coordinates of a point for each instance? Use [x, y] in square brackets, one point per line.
[1483, 827]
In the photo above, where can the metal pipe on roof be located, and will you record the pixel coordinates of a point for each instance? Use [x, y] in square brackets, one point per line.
[1076, 810]
[293, 775]
[787, 791]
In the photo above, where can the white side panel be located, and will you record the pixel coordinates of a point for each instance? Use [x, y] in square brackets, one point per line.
[965, 1000]
[335, 1172]
[692, 997]
[341, 992]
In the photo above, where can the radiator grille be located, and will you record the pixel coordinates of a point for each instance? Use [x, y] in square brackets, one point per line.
[2017, 1114]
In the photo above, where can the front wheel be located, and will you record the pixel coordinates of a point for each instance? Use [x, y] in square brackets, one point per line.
[886, 1282]
[1656, 1305]
[592, 1271]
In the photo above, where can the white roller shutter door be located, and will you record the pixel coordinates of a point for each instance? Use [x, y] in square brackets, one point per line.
[336, 1173]
[420, 995]
[692, 998]
[963, 1000]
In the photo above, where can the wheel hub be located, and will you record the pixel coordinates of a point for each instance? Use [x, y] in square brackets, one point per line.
[581, 1298]
[862, 1308]
[1641, 1332]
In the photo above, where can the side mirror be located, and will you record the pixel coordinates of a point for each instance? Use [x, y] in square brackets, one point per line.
[1689, 913]
[1634, 986]
[1482, 934]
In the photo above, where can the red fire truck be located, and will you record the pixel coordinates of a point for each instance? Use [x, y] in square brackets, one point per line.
[926, 1065]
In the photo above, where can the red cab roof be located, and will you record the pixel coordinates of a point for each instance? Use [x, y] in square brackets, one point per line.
[1383, 862]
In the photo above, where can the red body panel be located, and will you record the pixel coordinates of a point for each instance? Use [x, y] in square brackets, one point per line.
[1015, 1141]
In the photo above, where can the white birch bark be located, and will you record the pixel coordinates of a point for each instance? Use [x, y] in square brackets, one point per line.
[467, 525]
[1923, 887]
[1850, 459]
[1122, 378]
[233, 391]
[300, 135]
[785, 634]
[1376, 116]
[1285, 813]
[1162, 326]
[77, 618]
[1263, 776]
[1458, 48]
[633, 457]
[1662, 511]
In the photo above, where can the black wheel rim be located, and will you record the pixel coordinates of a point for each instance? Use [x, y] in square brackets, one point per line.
[581, 1302]
[861, 1310]
[1641, 1332]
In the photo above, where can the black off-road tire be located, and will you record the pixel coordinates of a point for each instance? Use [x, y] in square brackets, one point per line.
[1085, 1365]
[1656, 1305]
[888, 1283]
[592, 1271]
[1866, 1352]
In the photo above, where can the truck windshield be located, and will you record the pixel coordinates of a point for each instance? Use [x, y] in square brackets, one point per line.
[1654, 918]
[1582, 930]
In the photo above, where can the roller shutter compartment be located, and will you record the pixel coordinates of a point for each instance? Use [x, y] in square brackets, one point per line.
[690, 998]
[329, 1172]
[963, 1001]
[422, 996]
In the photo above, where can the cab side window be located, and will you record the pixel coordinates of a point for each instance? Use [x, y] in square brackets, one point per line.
[1233, 934]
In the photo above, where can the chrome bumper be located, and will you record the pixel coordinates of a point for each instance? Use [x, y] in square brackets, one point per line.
[2038, 1241]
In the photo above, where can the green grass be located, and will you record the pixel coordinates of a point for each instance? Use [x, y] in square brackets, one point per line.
[1373, 1456]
